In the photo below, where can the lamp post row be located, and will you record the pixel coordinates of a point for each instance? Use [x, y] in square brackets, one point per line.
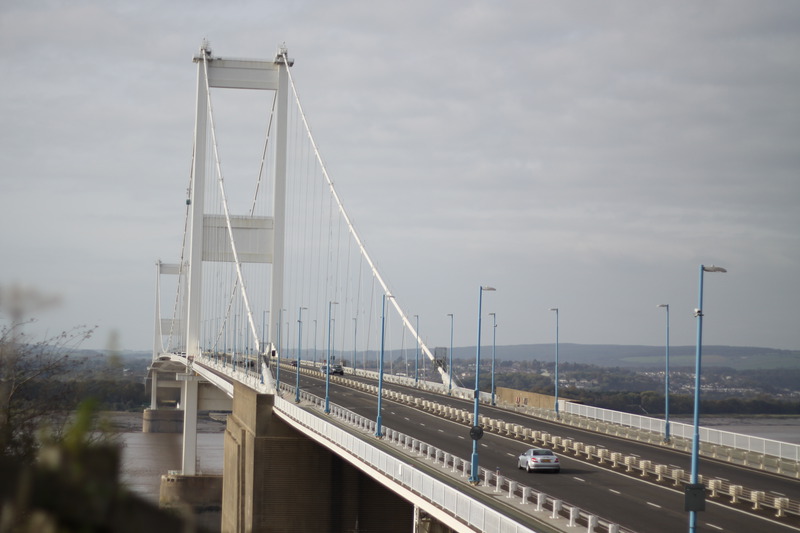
[694, 491]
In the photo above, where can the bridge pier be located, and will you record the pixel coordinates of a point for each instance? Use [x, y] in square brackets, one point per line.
[189, 405]
[276, 479]
[162, 421]
[163, 416]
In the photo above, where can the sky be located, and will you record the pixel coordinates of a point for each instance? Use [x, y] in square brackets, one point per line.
[581, 155]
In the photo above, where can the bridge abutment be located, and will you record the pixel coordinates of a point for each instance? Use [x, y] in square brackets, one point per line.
[276, 479]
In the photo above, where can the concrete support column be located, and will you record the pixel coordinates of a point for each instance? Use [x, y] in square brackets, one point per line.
[154, 390]
[272, 472]
[189, 404]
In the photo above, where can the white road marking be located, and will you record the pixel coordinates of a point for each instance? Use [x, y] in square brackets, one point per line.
[615, 491]
[715, 527]
[579, 479]
[510, 454]
[654, 505]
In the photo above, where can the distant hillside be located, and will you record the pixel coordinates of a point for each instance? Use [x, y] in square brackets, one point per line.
[737, 357]
[607, 355]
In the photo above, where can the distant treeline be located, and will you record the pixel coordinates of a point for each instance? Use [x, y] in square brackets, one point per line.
[652, 403]
[749, 392]
[112, 394]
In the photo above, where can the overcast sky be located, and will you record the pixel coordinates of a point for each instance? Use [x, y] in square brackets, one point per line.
[582, 155]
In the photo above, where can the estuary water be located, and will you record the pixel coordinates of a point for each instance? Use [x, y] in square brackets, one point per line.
[146, 456]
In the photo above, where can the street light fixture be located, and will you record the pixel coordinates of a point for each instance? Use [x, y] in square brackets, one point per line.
[556, 403]
[666, 380]
[278, 368]
[315, 343]
[299, 343]
[378, 430]
[450, 361]
[416, 363]
[476, 432]
[328, 364]
[494, 342]
[355, 338]
[695, 492]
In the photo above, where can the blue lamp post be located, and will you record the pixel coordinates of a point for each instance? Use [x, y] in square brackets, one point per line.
[378, 430]
[328, 363]
[278, 366]
[666, 380]
[476, 432]
[315, 343]
[695, 492]
[416, 363]
[494, 343]
[355, 337]
[556, 402]
[450, 355]
[299, 343]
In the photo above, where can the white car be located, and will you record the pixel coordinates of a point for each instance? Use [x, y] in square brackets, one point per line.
[539, 459]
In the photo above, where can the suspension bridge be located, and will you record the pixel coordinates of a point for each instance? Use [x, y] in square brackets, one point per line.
[273, 288]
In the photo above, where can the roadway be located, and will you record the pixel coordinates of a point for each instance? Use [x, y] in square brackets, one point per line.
[632, 502]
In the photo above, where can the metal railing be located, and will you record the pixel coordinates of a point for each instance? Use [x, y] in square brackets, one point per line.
[738, 441]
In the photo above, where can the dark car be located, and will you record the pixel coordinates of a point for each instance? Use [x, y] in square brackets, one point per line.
[337, 369]
[539, 459]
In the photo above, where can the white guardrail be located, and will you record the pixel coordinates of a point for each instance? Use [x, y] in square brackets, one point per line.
[737, 441]
[452, 499]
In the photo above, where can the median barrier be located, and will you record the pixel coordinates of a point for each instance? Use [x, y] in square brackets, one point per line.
[556, 509]
[590, 450]
[781, 504]
[616, 458]
[735, 492]
[573, 517]
[630, 462]
[526, 493]
[512, 488]
[757, 497]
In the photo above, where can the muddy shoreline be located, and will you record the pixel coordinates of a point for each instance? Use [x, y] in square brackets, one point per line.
[131, 422]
